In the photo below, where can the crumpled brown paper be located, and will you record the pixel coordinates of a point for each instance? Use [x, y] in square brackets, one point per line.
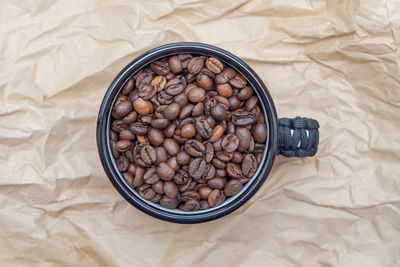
[335, 61]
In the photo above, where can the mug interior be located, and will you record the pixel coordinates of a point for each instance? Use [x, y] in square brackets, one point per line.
[176, 215]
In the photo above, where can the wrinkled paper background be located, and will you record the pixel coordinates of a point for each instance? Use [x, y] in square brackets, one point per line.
[335, 61]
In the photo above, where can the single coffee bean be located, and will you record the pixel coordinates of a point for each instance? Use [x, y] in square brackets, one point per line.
[171, 146]
[204, 205]
[150, 176]
[218, 112]
[169, 203]
[219, 164]
[232, 187]
[183, 158]
[170, 189]
[159, 82]
[147, 91]
[175, 64]
[209, 153]
[243, 135]
[203, 128]
[195, 65]
[122, 164]
[251, 145]
[123, 145]
[237, 157]
[164, 98]
[197, 95]
[188, 131]
[132, 169]
[234, 170]
[122, 109]
[218, 131]
[189, 195]
[128, 87]
[141, 106]
[159, 67]
[260, 133]
[172, 111]
[128, 178]
[190, 205]
[249, 165]
[156, 199]
[216, 198]
[160, 123]
[230, 143]
[198, 109]
[129, 155]
[139, 128]
[170, 130]
[186, 111]
[234, 103]
[194, 148]
[209, 173]
[238, 81]
[155, 136]
[223, 101]
[204, 81]
[251, 103]
[158, 187]
[185, 59]
[197, 168]
[231, 128]
[181, 99]
[161, 155]
[165, 172]
[218, 145]
[147, 193]
[225, 76]
[118, 126]
[220, 172]
[242, 118]
[214, 65]
[126, 135]
[224, 156]
[225, 90]
[173, 163]
[204, 192]
[175, 86]
[245, 93]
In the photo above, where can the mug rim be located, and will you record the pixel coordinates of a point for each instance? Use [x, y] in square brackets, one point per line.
[156, 210]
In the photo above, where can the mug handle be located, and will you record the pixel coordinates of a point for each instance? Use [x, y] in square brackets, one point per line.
[298, 137]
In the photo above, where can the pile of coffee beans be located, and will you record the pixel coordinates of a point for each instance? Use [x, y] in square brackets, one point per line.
[187, 132]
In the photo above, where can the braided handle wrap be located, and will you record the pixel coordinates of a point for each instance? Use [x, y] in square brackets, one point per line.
[298, 137]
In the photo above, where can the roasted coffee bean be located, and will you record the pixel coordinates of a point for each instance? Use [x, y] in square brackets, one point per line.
[160, 123]
[171, 146]
[197, 95]
[122, 164]
[175, 64]
[234, 170]
[249, 165]
[243, 134]
[170, 189]
[195, 65]
[204, 81]
[172, 111]
[158, 187]
[260, 133]
[169, 203]
[155, 136]
[218, 112]
[187, 132]
[139, 128]
[232, 187]
[159, 67]
[245, 93]
[216, 198]
[194, 148]
[197, 168]
[122, 109]
[230, 143]
[183, 158]
[242, 118]
[214, 65]
[165, 172]
[198, 109]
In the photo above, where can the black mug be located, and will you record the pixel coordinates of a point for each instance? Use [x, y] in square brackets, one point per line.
[296, 137]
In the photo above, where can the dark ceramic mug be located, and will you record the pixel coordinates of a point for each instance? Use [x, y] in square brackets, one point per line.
[289, 137]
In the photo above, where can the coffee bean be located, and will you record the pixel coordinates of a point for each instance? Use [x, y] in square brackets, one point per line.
[143, 79]
[164, 99]
[243, 135]
[225, 90]
[214, 65]
[122, 164]
[122, 109]
[170, 189]
[139, 128]
[209, 173]
[220, 172]
[141, 106]
[204, 192]
[224, 156]
[230, 143]
[198, 109]
[245, 93]
[232, 187]
[181, 99]
[225, 76]
[209, 152]
[251, 103]
[147, 91]
[171, 146]
[172, 111]
[155, 136]
[158, 187]
[190, 195]
[249, 165]
[173, 163]
[185, 59]
[218, 112]
[234, 170]
[197, 168]
[188, 131]
[204, 205]
[218, 163]
[183, 158]
[169, 203]
[186, 111]
[128, 87]
[238, 81]
[217, 183]
[126, 135]
[195, 65]
[234, 103]
[150, 176]
[242, 118]
[170, 130]
[260, 132]
[194, 148]
[203, 128]
[197, 95]
[218, 145]
[175, 86]
[204, 81]
[159, 82]
[159, 67]
[190, 205]
[175, 64]
[237, 157]
[165, 172]
[218, 131]
[160, 123]
[216, 198]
